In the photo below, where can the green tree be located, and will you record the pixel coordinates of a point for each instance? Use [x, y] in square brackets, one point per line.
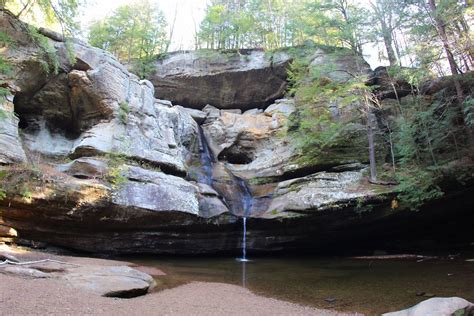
[135, 33]
[230, 24]
[59, 12]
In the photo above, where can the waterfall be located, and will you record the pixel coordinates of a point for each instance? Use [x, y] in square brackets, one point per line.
[246, 206]
[244, 241]
[246, 196]
[205, 176]
[206, 159]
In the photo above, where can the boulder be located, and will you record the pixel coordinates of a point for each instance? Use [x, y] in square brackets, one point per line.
[322, 190]
[437, 306]
[7, 232]
[197, 115]
[237, 138]
[444, 86]
[338, 64]
[6, 256]
[281, 106]
[113, 281]
[253, 112]
[242, 79]
[388, 86]
[23, 272]
[11, 150]
[156, 191]
[109, 281]
[85, 168]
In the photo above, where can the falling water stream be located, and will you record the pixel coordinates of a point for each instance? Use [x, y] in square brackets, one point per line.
[246, 207]
[207, 159]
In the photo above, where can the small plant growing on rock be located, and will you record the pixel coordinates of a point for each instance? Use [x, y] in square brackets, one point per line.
[48, 59]
[124, 110]
[117, 168]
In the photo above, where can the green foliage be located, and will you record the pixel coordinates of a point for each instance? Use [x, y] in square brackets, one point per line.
[3, 193]
[134, 33]
[26, 193]
[426, 139]
[468, 110]
[59, 14]
[248, 24]
[116, 169]
[49, 58]
[418, 186]
[5, 67]
[271, 24]
[21, 179]
[124, 110]
[314, 127]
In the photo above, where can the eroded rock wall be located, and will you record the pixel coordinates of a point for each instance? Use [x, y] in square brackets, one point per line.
[91, 160]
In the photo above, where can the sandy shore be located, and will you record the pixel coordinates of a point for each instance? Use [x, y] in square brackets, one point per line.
[20, 296]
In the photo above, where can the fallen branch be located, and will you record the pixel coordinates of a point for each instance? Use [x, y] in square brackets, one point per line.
[381, 182]
[35, 262]
[390, 257]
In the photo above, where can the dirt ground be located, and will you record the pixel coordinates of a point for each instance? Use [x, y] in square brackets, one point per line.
[20, 296]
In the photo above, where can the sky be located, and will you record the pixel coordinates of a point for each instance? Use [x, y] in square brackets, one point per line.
[189, 14]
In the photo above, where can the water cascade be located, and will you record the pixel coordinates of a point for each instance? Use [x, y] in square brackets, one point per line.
[204, 175]
[206, 159]
[246, 207]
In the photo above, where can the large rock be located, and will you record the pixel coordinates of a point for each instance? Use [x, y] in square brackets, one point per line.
[109, 281]
[323, 190]
[437, 306]
[237, 138]
[92, 107]
[11, 150]
[113, 281]
[389, 86]
[156, 191]
[23, 272]
[244, 79]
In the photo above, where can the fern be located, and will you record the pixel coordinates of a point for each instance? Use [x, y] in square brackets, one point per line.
[468, 110]
[49, 59]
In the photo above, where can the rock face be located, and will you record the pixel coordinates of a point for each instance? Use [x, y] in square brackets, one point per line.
[437, 306]
[109, 281]
[91, 160]
[119, 281]
[11, 150]
[244, 79]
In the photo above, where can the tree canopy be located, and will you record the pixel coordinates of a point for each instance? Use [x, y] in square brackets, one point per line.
[134, 33]
[411, 31]
[58, 14]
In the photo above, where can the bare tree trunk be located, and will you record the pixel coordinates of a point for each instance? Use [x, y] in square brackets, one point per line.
[28, 3]
[388, 42]
[441, 28]
[172, 28]
[396, 43]
[370, 136]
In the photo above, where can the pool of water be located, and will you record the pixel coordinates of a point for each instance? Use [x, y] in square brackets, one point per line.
[366, 286]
